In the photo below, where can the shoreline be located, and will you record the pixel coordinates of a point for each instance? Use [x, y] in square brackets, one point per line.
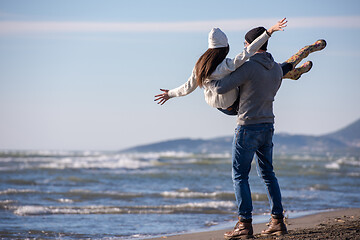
[325, 224]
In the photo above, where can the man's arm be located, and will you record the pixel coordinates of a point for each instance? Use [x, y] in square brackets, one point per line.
[235, 79]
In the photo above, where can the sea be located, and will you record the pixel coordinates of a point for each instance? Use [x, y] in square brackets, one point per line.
[112, 195]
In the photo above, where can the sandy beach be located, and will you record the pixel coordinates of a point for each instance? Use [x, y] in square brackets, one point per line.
[336, 224]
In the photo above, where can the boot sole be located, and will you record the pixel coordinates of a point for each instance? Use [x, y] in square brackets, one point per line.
[279, 233]
[239, 237]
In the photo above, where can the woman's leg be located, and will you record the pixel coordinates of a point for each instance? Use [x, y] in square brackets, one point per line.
[300, 55]
[305, 51]
[233, 109]
[297, 72]
[286, 67]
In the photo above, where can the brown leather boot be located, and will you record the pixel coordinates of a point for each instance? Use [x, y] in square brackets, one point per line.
[242, 230]
[276, 226]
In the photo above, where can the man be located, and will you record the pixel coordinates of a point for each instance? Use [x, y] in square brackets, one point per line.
[259, 80]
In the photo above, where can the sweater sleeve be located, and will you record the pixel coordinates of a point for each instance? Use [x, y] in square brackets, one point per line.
[229, 65]
[186, 88]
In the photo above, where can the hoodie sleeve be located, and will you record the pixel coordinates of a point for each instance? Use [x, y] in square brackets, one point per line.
[229, 65]
[186, 88]
[234, 80]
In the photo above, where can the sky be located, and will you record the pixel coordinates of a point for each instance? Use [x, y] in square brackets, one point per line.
[82, 75]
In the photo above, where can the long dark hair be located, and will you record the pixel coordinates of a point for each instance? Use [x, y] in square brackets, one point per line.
[208, 62]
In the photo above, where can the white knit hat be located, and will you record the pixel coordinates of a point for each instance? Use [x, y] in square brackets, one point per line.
[217, 38]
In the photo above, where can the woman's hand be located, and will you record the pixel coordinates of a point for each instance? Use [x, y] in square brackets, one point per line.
[278, 26]
[163, 97]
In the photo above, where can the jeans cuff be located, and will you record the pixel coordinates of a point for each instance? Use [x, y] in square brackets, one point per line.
[245, 220]
[277, 216]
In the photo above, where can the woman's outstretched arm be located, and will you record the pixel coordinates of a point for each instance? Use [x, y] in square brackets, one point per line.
[183, 90]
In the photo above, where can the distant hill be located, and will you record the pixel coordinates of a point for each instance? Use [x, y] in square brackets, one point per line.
[343, 141]
[349, 134]
[216, 145]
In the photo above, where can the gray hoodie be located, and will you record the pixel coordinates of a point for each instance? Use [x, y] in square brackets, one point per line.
[259, 80]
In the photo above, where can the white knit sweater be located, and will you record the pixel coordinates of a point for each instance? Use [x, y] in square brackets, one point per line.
[224, 68]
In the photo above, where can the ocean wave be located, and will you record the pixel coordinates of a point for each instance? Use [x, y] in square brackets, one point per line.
[174, 155]
[77, 195]
[65, 200]
[354, 174]
[186, 193]
[17, 191]
[337, 164]
[333, 165]
[210, 207]
[321, 187]
[101, 161]
[45, 153]
[5, 203]
[183, 194]
[83, 195]
[113, 162]
[116, 161]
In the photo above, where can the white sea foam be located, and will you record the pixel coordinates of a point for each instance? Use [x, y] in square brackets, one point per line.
[14, 191]
[185, 194]
[317, 187]
[349, 161]
[210, 204]
[6, 202]
[29, 210]
[333, 165]
[219, 155]
[98, 209]
[103, 194]
[102, 161]
[354, 174]
[88, 159]
[343, 162]
[65, 200]
[109, 161]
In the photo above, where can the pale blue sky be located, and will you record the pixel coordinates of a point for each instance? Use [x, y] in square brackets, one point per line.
[81, 75]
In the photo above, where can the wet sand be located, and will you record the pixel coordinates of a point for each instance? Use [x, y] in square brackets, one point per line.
[336, 224]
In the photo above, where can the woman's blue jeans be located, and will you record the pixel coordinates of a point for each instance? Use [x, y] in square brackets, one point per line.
[249, 140]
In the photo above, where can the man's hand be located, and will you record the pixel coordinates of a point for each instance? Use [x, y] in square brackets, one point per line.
[163, 97]
[278, 26]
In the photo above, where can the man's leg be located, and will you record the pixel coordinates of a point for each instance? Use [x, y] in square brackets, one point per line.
[266, 172]
[242, 156]
[241, 164]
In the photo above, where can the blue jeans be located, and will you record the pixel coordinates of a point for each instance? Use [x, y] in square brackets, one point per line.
[249, 140]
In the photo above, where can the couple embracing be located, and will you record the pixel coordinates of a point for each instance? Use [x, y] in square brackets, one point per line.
[247, 89]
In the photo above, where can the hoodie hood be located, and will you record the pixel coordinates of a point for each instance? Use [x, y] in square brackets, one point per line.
[265, 59]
